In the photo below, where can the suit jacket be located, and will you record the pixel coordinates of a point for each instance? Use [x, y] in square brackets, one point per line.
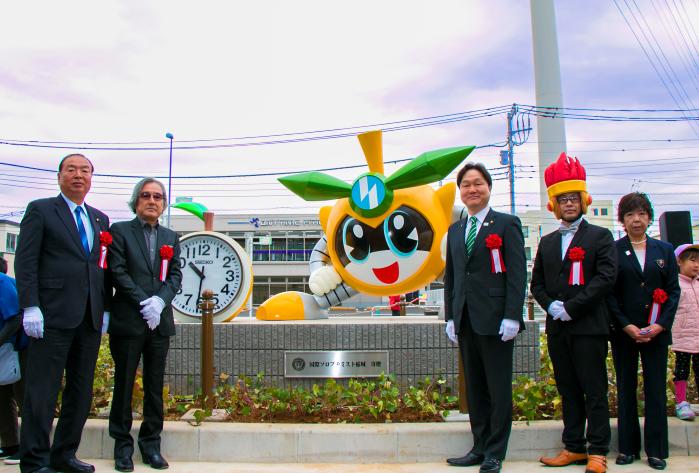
[632, 298]
[470, 283]
[135, 279]
[584, 303]
[52, 270]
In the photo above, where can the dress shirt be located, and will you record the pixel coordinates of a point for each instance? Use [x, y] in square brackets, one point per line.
[567, 237]
[85, 218]
[480, 218]
[150, 233]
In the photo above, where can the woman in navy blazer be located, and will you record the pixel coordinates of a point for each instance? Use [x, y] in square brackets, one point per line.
[643, 306]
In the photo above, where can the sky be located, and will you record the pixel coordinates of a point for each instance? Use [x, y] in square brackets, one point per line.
[129, 72]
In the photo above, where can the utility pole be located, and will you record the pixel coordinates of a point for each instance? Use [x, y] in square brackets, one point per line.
[511, 160]
[517, 134]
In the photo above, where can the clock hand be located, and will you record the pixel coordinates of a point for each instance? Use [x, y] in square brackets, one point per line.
[196, 270]
[201, 281]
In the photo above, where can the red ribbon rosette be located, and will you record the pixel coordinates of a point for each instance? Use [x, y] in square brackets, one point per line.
[659, 298]
[105, 241]
[576, 255]
[494, 243]
[166, 254]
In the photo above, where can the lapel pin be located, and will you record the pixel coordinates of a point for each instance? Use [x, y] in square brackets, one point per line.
[628, 253]
[660, 263]
[485, 224]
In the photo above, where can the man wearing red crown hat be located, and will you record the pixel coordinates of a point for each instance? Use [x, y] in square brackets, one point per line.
[574, 270]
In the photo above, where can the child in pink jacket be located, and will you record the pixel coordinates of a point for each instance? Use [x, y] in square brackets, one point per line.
[685, 331]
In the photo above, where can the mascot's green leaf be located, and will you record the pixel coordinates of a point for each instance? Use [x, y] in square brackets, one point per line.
[429, 167]
[316, 186]
[193, 208]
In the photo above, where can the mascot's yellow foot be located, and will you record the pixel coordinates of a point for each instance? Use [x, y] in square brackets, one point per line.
[291, 306]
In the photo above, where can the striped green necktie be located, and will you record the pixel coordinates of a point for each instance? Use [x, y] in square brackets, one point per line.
[471, 237]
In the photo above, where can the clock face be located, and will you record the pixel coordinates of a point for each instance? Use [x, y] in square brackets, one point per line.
[212, 261]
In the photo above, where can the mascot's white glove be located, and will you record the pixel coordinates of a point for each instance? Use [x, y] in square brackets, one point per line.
[323, 280]
[105, 322]
[33, 322]
[151, 309]
[508, 329]
[451, 332]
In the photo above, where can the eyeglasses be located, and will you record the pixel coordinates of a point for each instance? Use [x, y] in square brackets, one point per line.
[147, 195]
[573, 199]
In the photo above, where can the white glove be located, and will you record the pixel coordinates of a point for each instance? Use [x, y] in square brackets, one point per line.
[323, 280]
[508, 329]
[151, 309]
[105, 322]
[33, 322]
[451, 332]
[555, 309]
[563, 316]
[558, 311]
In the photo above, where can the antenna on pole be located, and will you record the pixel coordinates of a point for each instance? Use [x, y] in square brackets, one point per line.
[518, 130]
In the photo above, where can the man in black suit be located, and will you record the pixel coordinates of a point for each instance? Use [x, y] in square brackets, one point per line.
[64, 294]
[142, 321]
[484, 286]
[574, 270]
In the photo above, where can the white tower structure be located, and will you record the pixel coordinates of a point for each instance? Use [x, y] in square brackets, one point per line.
[551, 132]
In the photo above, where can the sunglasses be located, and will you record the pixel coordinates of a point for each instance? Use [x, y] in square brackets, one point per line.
[147, 195]
[573, 199]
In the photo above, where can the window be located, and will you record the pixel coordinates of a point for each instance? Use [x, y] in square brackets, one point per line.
[528, 253]
[260, 290]
[296, 251]
[278, 250]
[11, 242]
[595, 212]
[604, 212]
[525, 231]
[260, 247]
[266, 286]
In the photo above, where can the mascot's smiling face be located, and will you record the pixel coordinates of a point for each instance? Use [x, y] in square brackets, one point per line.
[396, 252]
[388, 254]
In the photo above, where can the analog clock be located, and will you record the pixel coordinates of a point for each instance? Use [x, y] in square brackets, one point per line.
[211, 260]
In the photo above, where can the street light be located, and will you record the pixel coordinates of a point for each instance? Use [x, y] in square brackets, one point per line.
[169, 179]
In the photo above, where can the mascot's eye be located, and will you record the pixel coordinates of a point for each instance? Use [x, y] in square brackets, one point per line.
[401, 233]
[355, 241]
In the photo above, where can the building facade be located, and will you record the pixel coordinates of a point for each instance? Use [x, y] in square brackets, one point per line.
[9, 233]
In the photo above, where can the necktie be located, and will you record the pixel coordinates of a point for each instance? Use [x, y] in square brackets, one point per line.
[471, 237]
[81, 230]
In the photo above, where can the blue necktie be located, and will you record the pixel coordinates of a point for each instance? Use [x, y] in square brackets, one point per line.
[81, 230]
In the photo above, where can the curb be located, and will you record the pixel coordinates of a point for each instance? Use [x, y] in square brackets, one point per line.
[351, 443]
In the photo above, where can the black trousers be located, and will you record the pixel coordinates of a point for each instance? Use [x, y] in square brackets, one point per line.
[683, 360]
[11, 397]
[579, 366]
[488, 370]
[653, 356]
[127, 351]
[75, 351]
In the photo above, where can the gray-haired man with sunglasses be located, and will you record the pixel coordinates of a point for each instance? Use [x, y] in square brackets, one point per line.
[144, 263]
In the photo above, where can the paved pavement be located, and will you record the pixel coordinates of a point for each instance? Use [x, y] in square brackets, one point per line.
[675, 464]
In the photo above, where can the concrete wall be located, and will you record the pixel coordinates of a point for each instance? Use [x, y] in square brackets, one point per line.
[417, 347]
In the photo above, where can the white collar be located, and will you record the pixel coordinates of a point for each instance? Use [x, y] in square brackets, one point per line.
[480, 216]
[72, 205]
